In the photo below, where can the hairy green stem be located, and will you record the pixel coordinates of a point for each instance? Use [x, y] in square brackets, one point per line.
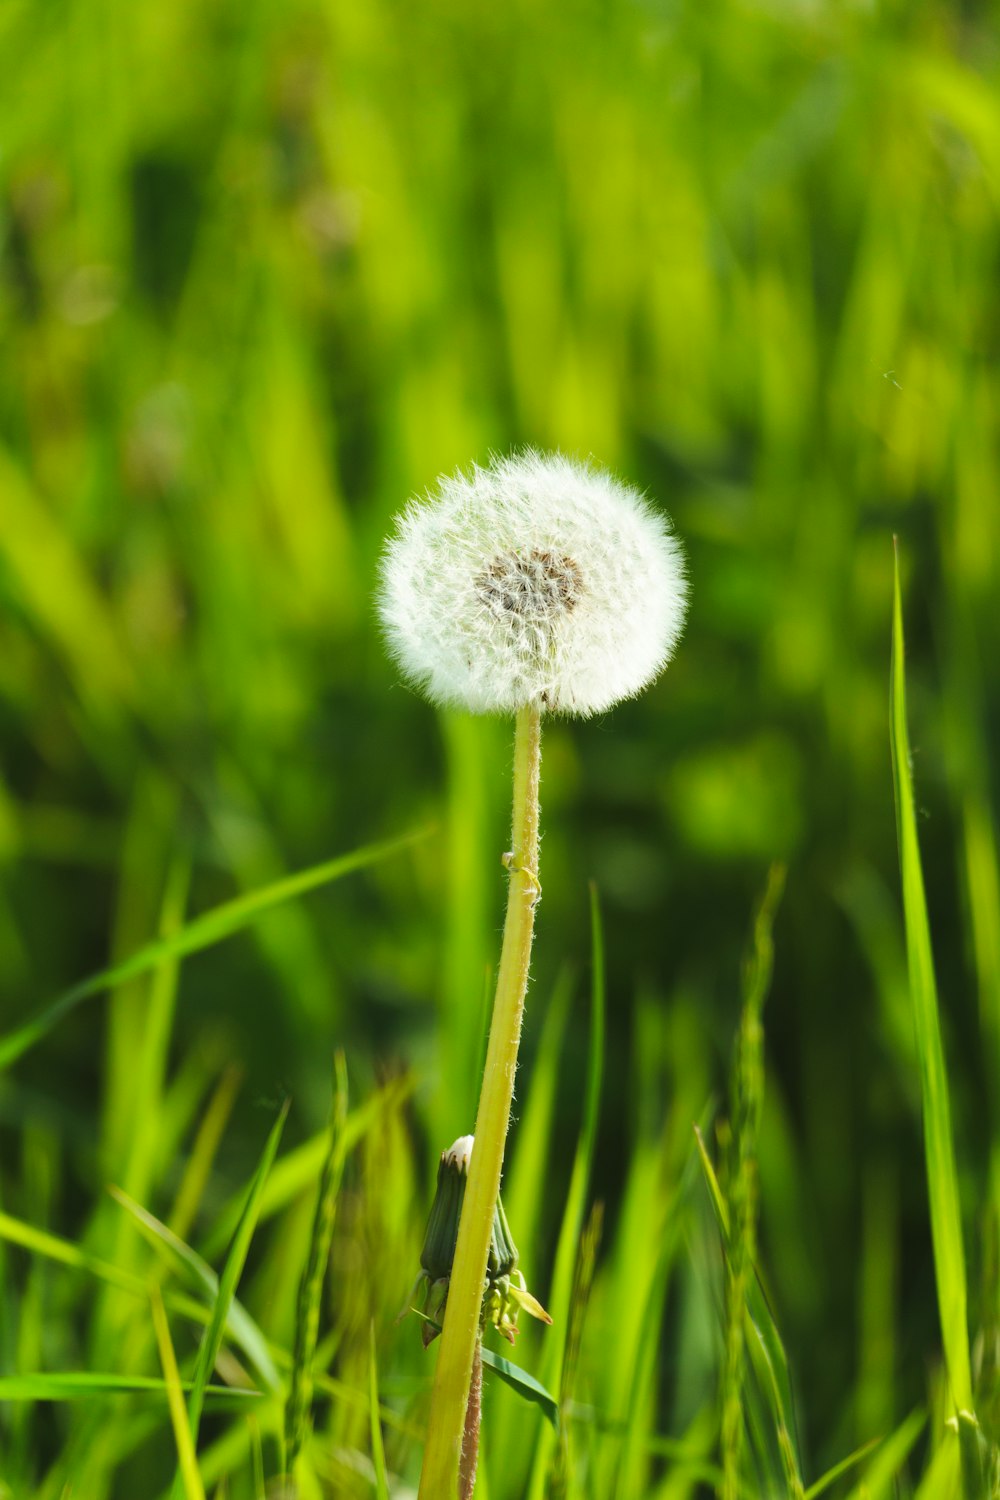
[473, 1417]
[453, 1377]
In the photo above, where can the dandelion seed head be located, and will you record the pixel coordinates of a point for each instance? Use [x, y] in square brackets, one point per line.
[537, 579]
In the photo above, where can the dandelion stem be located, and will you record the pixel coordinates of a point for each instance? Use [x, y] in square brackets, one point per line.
[453, 1377]
[473, 1417]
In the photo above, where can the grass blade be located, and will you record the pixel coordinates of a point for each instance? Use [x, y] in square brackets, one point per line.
[299, 1168]
[193, 1487]
[52, 1247]
[80, 1385]
[311, 1287]
[207, 1140]
[890, 1458]
[242, 1328]
[378, 1448]
[567, 1250]
[824, 1482]
[942, 1184]
[747, 1109]
[572, 1225]
[231, 1272]
[764, 1343]
[203, 932]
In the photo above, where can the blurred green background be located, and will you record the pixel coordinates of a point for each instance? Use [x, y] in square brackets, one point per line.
[268, 269]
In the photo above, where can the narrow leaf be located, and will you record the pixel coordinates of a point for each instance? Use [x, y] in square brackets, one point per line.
[228, 1281]
[193, 1487]
[524, 1384]
[299, 1168]
[942, 1180]
[764, 1344]
[307, 1312]
[79, 1385]
[204, 931]
[881, 1473]
[241, 1327]
[825, 1480]
[378, 1450]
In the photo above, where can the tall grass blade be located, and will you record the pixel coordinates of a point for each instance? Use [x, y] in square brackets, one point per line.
[524, 1182]
[635, 1433]
[576, 1199]
[747, 1109]
[208, 1138]
[942, 1183]
[187, 1460]
[378, 1447]
[229, 1279]
[301, 1166]
[313, 1277]
[203, 932]
[764, 1344]
[241, 1326]
[257, 1460]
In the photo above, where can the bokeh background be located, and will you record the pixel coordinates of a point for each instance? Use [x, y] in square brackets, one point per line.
[268, 269]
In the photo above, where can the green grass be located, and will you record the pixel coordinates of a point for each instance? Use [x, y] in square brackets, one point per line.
[264, 272]
[942, 1175]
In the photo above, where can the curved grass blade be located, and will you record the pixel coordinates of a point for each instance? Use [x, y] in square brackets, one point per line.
[81, 1385]
[231, 1273]
[833, 1474]
[881, 1473]
[242, 1328]
[203, 932]
[64, 1252]
[942, 1178]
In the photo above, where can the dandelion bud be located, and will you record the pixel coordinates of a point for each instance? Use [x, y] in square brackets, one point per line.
[504, 1289]
[537, 580]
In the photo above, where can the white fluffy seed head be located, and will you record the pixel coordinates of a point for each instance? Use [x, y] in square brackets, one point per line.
[537, 579]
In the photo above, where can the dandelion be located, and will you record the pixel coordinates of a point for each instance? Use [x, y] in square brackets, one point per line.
[537, 580]
[535, 585]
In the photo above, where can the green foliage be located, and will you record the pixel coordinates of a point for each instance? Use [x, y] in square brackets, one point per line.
[203, 932]
[264, 272]
[378, 1452]
[942, 1176]
[747, 1094]
[211, 1341]
[307, 1314]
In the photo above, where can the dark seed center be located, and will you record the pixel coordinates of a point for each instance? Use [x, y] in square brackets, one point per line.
[531, 585]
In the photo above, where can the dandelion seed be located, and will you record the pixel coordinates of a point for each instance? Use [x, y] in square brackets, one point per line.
[536, 580]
